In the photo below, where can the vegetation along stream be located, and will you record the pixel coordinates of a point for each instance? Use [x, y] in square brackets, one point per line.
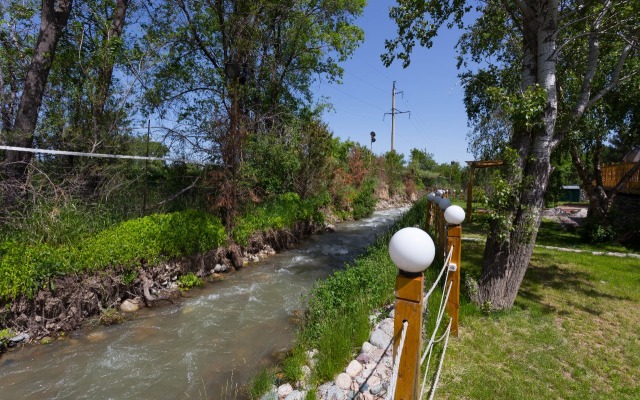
[204, 347]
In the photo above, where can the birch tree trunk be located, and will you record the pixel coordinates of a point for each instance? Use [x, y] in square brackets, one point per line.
[510, 245]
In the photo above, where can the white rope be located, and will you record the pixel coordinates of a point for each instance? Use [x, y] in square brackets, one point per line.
[396, 364]
[443, 303]
[435, 283]
[98, 155]
[444, 351]
[426, 372]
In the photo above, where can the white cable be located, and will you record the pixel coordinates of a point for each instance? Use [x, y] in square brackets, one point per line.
[426, 372]
[438, 320]
[396, 364]
[444, 351]
[435, 283]
[99, 155]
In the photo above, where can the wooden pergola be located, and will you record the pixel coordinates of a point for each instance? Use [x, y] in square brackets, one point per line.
[473, 165]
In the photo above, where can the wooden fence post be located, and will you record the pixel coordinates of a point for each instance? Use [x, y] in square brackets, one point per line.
[409, 303]
[454, 234]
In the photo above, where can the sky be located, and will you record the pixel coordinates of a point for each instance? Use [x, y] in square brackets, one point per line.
[430, 86]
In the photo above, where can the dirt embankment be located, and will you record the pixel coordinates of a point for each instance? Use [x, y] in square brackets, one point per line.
[68, 301]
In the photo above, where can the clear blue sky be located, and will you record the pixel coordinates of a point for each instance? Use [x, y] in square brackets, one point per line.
[432, 93]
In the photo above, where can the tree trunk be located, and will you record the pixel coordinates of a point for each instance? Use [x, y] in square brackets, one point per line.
[511, 240]
[55, 14]
[105, 72]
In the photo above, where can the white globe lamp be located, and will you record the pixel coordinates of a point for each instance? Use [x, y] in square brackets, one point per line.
[454, 215]
[444, 204]
[412, 250]
[431, 196]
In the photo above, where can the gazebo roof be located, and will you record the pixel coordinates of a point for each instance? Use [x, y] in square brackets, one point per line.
[632, 156]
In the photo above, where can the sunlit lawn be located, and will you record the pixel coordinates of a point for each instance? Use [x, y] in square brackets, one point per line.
[574, 331]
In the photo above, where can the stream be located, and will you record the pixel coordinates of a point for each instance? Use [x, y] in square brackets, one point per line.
[203, 347]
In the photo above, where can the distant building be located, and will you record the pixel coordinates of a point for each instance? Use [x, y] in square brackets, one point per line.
[571, 193]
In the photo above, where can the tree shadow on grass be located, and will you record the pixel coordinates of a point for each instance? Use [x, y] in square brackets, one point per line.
[555, 277]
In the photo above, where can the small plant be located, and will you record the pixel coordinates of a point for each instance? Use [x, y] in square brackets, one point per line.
[129, 276]
[189, 281]
[110, 316]
[260, 384]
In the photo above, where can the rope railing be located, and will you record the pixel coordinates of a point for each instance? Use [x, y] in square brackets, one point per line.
[413, 250]
[396, 364]
[426, 371]
[445, 267]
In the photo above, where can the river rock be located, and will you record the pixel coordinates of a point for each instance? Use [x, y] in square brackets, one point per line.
[270, 396]
[23, 337]
[363, 358]
[387, 326]
[284, 390]
[330, 228]
[129, 306]
[375, 390]
[335, 393]
[46, 340]
[354, 368]
[343, 381]
[380, 339]
[295, 395]
[367, 347]
[220, 268]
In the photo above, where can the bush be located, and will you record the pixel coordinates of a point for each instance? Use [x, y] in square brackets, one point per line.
[282, 212]
[189, 281]
[364, 201]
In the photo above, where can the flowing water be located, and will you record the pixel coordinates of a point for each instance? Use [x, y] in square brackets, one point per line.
[207, 346]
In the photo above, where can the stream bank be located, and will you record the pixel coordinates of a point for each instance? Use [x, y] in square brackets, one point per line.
[68, 302]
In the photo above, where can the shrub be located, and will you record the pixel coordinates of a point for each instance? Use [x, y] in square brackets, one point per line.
[189, 281]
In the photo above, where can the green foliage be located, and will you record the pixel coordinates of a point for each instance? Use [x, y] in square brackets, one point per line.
[189, 281]
[524, 109]
[340, 337]
[364, 201]
[110, 316]
[26, 268]
[282, 212]
[292, 364]
[260, 384]
[394, 170]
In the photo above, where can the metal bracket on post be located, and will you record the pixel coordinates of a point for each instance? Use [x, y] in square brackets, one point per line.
[453, 267]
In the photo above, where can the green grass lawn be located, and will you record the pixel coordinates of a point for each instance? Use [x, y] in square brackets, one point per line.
[574, 332]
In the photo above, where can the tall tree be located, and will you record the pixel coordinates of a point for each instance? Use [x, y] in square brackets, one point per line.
[232, 66]
[53, 19]
[538, 38]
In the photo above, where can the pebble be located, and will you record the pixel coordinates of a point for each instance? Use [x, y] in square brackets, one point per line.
[284, 390]
[343, 381]
[354, 368]
[129, 306]
[380, 339]
[387, 326]
[367, 347]
[335, 393]
[295, 395]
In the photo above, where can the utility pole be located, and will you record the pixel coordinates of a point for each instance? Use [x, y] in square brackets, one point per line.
[393, 113]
